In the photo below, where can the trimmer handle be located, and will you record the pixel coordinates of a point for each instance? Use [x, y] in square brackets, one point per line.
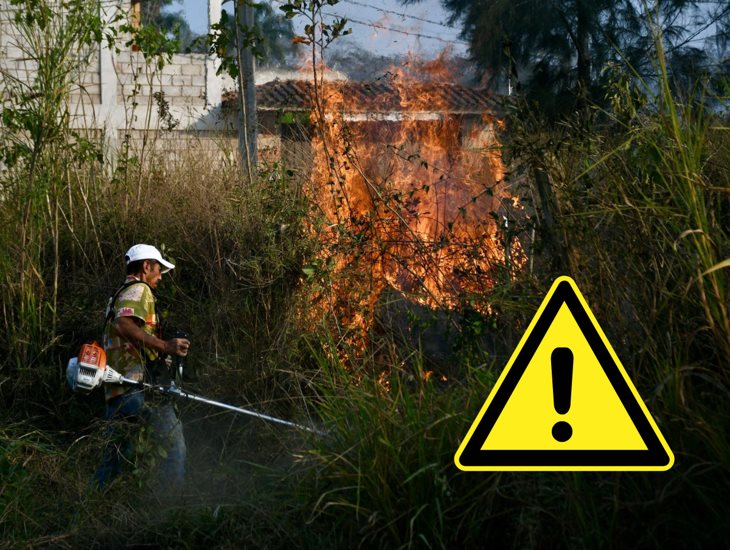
[178, 363]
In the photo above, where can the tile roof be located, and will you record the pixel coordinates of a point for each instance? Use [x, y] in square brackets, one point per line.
[373, 97]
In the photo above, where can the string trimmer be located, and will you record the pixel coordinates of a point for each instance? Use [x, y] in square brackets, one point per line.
[89, 371]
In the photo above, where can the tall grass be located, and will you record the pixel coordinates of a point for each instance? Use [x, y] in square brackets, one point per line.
[237, 251]
[66, 219]
[384, 475]
[640, 209]
[38, 148]
[65, 222]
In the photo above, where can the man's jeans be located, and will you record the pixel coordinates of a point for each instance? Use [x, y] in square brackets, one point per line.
[166, 433]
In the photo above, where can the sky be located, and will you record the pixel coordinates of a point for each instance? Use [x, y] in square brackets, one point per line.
[383, 26]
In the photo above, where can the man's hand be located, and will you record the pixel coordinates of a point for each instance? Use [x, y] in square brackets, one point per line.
[129, 329]
[177, 346]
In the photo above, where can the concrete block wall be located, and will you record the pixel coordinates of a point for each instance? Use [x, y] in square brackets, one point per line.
[115, 94]
[103, 95]
[86, 94]
[183, 80]
[172, 147]
[13, 59]
[17, 63]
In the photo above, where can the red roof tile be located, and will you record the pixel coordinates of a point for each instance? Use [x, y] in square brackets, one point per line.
[372, 97]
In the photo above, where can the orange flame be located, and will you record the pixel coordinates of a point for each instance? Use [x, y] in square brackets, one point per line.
[407, 192]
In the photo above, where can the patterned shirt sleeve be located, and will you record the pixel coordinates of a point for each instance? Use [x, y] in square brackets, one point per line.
[135, 301]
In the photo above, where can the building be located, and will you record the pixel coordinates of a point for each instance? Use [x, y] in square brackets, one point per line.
[185, 106]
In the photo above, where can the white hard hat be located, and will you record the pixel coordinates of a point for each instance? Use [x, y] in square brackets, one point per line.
[147, 252]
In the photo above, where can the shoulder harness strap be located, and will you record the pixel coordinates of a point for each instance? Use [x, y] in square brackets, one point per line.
[109, 314]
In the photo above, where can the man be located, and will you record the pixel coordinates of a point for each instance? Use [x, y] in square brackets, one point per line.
[133, 347]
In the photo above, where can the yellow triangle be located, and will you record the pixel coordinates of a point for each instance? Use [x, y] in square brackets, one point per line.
[528, 423]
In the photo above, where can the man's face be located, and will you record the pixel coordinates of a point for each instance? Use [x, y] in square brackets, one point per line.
[152, 274]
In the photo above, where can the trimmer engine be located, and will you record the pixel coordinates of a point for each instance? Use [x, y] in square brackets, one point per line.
[89, 370]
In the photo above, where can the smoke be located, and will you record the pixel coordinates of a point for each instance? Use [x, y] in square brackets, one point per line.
[230, 456]
[365, 65]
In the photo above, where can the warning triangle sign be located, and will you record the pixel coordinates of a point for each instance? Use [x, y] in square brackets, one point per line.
[564, 401]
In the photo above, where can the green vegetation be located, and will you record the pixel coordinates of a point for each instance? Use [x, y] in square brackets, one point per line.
[272, 34]
[632, 202]
[558, 58]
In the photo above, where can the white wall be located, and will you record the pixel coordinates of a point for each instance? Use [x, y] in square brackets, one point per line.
[116, 92]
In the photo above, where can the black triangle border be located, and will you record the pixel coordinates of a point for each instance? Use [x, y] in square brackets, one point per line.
[473, 456]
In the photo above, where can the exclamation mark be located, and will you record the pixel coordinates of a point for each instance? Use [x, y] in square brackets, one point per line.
[562, 365]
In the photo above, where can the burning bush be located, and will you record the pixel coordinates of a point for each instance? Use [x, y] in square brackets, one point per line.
[407, 192]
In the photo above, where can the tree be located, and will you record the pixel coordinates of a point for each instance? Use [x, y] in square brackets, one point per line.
[236, 39]
[274, 35]
[171, 24]
[556, 52]
[278, 35]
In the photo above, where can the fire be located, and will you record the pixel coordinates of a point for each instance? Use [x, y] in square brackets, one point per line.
[407, 193]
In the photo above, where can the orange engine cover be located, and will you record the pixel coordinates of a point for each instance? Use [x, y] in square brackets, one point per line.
[92, 355]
